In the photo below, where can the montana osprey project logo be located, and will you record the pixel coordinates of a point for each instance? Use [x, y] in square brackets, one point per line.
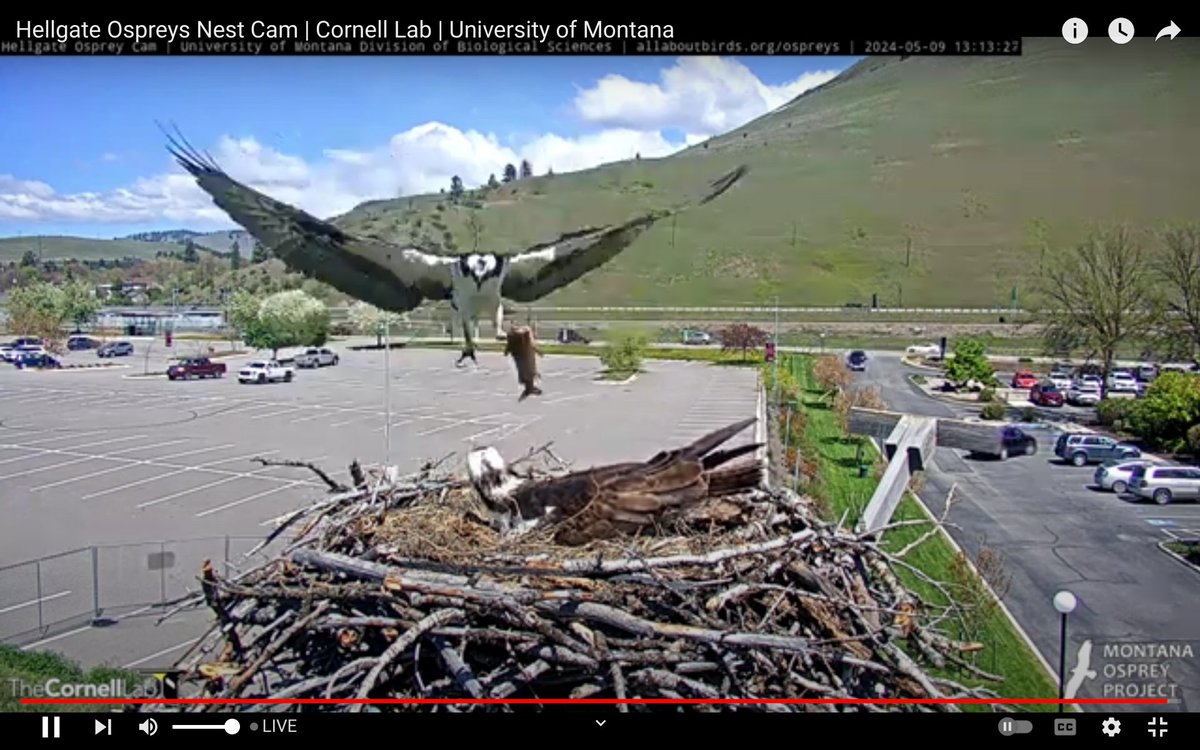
[1081, 671]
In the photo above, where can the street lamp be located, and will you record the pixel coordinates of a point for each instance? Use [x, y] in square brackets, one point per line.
[387, 391]
[1065, 602]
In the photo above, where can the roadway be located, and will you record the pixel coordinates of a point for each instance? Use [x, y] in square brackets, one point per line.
[1055, 533]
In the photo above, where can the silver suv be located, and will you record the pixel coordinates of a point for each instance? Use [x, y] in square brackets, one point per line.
[1165, 484]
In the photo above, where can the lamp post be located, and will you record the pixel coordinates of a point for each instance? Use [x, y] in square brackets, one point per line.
[1065, 602]
[387, 392]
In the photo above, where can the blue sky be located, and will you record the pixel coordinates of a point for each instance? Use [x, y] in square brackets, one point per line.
[80, 153]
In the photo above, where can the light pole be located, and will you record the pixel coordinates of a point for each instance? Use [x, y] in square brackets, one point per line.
[387, 391]
[775, 365]
[1065, 602]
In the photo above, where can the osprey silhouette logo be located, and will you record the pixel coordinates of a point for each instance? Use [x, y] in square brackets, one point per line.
[1081, 671]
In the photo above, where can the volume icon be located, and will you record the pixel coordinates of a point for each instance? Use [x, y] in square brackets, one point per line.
[149, 726]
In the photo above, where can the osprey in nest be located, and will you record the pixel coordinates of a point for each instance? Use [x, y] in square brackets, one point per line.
[605, 501]
[399, 278]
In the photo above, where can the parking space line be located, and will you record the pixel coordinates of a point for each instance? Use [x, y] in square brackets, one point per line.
[123, 467]
[99, 457]
[56, 437]
[138, 662]
[355, 419]
[268, 415]
[210, 485]
[181, 470]
[34, 602]
[564, 399]
[244, 500]
[463, 423]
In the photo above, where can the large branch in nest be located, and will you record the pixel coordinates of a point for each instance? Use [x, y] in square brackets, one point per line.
[333, 486]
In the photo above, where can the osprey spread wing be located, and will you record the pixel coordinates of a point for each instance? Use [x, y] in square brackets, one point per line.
[400, 278]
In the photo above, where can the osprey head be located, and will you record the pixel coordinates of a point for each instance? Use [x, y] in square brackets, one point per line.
[490, 475]
[480, 266]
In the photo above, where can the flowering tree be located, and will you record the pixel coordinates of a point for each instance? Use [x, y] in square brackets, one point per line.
[369, 320]
[292, 318]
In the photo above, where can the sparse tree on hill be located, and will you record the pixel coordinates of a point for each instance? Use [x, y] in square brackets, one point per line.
[369, 320]
[259, 254]
[456, 187]
[475, 227]
[550, 171]
[235, 256]
[492, 182]
[526, 169]
[29, 259]
[1179, 268]
[291, 318]
[510, 173]
[742, 337]
[190, 254]
[1100, 295]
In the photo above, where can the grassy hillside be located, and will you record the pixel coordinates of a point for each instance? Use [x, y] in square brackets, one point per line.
[932, 181]
[978, 160]
[80, 248]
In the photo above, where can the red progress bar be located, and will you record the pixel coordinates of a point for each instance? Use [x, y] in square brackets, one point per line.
[607, 701]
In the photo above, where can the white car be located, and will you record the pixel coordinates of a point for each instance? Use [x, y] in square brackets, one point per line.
[1122, 382]
[265, 371]
[1115, 475]
[924, 350]
[314, 357]
[1084, 392]
[1061, 380]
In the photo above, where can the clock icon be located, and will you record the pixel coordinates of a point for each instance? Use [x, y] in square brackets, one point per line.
[1121, 30]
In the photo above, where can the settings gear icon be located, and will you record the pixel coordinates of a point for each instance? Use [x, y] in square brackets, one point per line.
[1111, 727]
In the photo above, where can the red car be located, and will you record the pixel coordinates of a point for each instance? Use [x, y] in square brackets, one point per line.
[1045, 394]
[1024, 379]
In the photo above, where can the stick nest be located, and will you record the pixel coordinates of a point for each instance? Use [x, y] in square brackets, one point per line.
[394, 588]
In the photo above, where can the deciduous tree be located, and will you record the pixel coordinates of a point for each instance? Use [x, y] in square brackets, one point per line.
[969, 363]
[79, 303]
[742, 337]
[1100, 295]
[369, 320]
[291, 318]
[1179, 267]
[36, 309]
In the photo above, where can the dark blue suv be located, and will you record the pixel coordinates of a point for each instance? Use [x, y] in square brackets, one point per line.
[857, 360]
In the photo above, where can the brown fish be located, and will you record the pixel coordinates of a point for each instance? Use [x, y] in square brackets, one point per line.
[522, 347]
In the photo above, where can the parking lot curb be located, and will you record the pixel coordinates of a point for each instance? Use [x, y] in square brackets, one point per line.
[76, 368]
[1182, 560]
[626, 381]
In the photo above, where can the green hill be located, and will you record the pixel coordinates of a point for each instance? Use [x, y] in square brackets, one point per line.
[977, 160]
[80, 248]
[935, 181]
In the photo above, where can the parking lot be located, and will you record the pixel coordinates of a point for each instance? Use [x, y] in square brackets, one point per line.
[158, 476]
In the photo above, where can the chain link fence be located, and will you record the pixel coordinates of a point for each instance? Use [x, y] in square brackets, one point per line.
[104, 583]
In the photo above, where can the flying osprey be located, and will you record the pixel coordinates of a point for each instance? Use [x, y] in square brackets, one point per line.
[604, 501]
[399, 278]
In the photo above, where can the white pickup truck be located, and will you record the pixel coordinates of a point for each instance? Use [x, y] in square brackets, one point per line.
[265, 371]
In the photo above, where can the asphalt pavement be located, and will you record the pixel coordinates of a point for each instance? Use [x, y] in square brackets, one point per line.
[130, 483]
[1136, 605]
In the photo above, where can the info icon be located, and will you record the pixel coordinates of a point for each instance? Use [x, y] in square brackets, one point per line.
[1075, 30]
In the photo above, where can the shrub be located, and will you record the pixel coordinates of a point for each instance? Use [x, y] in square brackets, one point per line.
[1029, 414]
[1113, 410]
[1168, 410]
[987, 395]
[1193, 439]
[831, 374]
[919, 379]
[624, 353]
[862, 398]
[992, 411]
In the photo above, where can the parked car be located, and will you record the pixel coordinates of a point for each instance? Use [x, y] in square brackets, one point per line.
[28, 341]
[1084, 393]
[1016, 442]
[1024, 379]
[1114, 476]
[265, 371]
[1165, 484]
[25, 351]
[1045, 393]
[1084, 449]
[924, 350]
[571, 336]
[115, 349]
[80, 343]
[698, 338]
[40, 361]
[190, 368]
[1061, 377]
[1146, 373]
[1122, 382]
[857, 360]
[314, 357]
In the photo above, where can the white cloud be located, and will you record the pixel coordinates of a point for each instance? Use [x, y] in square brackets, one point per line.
[109, 156]
[698, 97]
